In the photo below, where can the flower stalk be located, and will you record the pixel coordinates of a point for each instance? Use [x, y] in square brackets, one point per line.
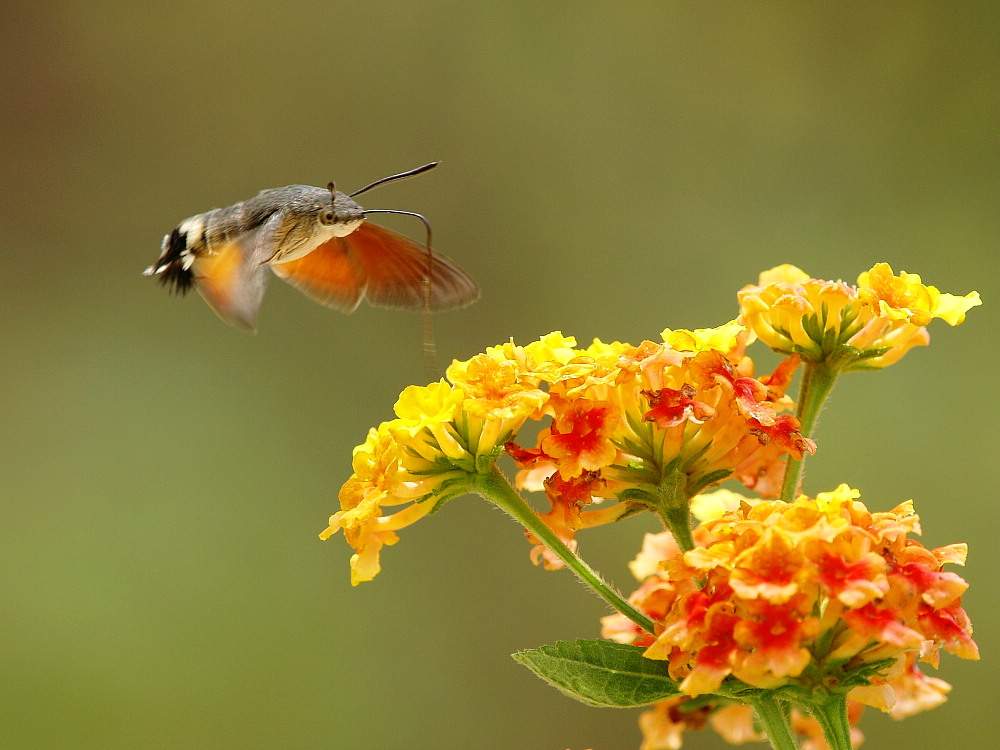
[832, 718]
[674, 508]
[818, 380]
[495, 488]
[774, 719]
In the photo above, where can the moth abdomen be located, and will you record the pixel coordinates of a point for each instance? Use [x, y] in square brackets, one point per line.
[178, 253]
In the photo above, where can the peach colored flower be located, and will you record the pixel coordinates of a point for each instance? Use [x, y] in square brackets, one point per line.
[804, 594]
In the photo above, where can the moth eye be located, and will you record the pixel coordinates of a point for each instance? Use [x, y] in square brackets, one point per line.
[327, 217]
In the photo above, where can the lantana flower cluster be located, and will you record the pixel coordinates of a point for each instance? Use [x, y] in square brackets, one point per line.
[793, 606]
[664, 724]
[867, 326]
[808, 597]
[626, 424]
[442, 434]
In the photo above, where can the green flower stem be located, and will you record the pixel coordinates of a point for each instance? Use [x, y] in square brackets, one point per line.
[495, 488]
[832, 717]
[774, 719]
[674, 508]
[817, 382]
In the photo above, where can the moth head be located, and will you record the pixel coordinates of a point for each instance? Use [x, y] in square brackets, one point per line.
[338, 209]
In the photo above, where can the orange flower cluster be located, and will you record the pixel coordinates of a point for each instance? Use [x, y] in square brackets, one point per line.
[664, 724]
[627, 422]
[639, 423]
[819, 596]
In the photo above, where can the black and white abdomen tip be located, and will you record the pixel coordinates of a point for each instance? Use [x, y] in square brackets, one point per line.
[178, 253]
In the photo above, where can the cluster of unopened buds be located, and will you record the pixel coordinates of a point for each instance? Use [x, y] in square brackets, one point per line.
[772, 613]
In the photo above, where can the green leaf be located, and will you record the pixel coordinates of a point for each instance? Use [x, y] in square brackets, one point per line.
[601, 673]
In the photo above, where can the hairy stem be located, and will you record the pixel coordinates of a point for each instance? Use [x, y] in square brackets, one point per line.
[817, 382]
[495, 488]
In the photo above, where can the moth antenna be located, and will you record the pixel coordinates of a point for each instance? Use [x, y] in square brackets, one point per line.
[400, 176]
[430, 348]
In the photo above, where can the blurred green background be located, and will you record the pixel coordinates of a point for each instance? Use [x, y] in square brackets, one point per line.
[607, 171]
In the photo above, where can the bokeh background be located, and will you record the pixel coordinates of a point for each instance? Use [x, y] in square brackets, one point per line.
[607, 169]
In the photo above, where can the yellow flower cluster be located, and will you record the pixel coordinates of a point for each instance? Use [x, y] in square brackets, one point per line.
[870, 325]
[442, 432]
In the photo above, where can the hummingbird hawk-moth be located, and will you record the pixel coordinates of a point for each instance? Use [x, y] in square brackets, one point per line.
[318, 240]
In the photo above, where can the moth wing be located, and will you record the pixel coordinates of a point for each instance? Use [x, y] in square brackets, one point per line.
[330, 275]
[231, 278]
[395, 269]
